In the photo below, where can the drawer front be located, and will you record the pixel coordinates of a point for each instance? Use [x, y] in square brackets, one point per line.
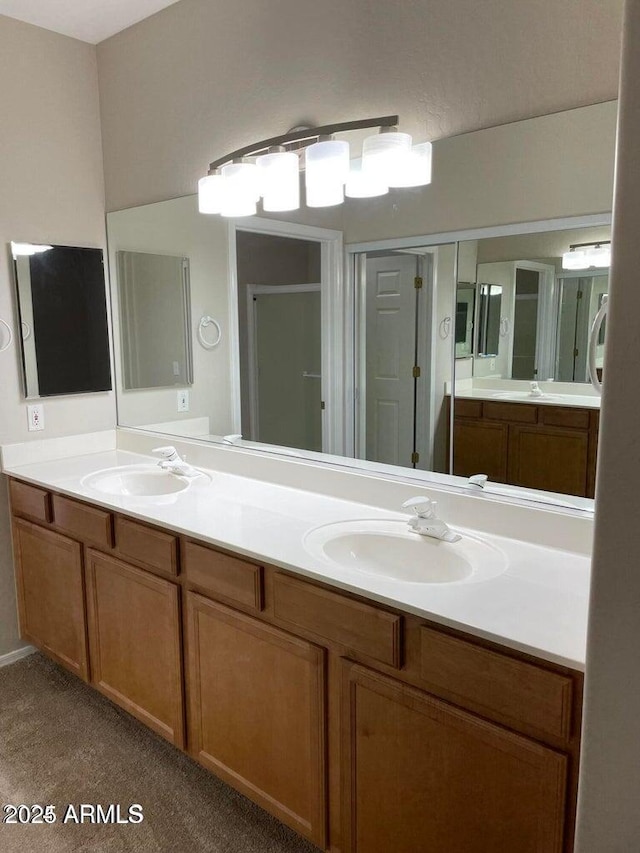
[223, 576]
[30, 501]
[523, 413]
[562, 417]
[359, 627]
[87, 523]
[512, 690]
[468, 408]
[149, 548]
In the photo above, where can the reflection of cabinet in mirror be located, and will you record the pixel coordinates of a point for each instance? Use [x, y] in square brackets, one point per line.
[551, 448]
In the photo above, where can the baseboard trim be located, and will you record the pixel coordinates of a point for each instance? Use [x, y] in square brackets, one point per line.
[17, 655]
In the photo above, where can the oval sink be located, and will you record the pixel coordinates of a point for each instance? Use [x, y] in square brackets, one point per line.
[388, 549]
[136, 481]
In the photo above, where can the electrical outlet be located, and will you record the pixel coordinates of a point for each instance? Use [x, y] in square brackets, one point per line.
[183, 401]
[35, 417]
[492, 365]
[176, 368]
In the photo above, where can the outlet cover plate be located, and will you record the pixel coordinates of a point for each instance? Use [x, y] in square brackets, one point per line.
[35, 417]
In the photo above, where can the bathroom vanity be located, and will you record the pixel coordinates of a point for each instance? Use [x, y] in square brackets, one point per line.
[363, 726]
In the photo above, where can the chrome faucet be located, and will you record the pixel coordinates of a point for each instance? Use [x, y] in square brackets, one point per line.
[426, 522]
[172, 462]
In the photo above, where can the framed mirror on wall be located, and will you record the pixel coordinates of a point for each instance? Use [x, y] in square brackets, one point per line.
[357, 334]
[62, 315]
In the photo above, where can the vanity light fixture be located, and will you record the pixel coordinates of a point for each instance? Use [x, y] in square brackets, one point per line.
[584, 256]
[270, 170]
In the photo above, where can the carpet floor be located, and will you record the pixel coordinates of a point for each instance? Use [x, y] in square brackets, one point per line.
[62, 743]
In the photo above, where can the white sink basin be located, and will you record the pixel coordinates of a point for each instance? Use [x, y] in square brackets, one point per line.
[388, 549]
[138, 481]
[525, 395]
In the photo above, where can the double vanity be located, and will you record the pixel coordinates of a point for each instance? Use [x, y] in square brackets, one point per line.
[373, 688]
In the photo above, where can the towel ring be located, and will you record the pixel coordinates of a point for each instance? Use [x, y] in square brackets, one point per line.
[204, 322]
[8, 328]
[26, 331]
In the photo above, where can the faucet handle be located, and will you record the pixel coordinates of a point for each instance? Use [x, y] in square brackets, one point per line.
[479, 480]
[169, 453]
[423, 507]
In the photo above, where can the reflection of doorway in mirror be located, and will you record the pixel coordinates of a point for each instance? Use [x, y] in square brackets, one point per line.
[579, 298]
[280, 303]
[284, 365]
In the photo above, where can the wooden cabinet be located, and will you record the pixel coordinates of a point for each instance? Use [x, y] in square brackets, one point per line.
[50, 591]
[257, 712]
[422, 775]
[134, 636]
[365, 729]
[552, 448]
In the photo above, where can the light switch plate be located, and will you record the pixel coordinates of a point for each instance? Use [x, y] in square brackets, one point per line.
[183, 401]
[35, 417]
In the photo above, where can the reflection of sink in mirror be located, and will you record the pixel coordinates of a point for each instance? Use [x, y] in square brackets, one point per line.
[527, 395]
[138, 481]
[389, 549]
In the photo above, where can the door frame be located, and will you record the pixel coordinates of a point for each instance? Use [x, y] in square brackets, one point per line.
[333, 317]
[254, 290]
[547, 318]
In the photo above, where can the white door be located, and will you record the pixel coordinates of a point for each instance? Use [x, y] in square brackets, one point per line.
[286, 371]
[390, 356]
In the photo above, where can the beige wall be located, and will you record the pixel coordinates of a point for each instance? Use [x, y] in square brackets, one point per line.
[51, 191]
[609, 817]
[200, 78]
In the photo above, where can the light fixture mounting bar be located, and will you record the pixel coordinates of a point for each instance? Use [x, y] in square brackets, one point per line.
[309, 133]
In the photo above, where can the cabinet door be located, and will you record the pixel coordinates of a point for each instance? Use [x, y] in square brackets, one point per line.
[480, 448]
[257, 712]
[134, 640]
[555, 460]
[422, 776]
[51, 594]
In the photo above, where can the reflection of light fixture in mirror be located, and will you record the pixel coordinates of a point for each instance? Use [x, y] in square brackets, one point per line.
[25, 249]
[270, 169]
[584, 256]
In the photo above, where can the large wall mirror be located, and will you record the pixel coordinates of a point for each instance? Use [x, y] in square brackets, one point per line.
[402, 333]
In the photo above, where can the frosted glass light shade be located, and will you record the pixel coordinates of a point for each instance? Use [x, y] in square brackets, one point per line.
[586, 257]
[327, 169]
[240, 189]
[384, 155]
[600, 256]
[279, 180]
[575, 259]
[413, 169]
[361, 184]
[210, 194]
[324, 194]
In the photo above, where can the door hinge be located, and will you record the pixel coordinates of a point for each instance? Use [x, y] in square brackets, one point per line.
[579, 295]
[575, 353]
[322, 406]
[415, 458]
[417, 282]
[416, 372]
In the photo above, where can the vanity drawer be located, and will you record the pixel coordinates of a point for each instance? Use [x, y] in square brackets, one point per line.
[514, 691]
[562, 417]
[30, 501]
[87, 523]
[467, 408]
[151, 549]
[523, 413]
[224, 576]
[358, 627]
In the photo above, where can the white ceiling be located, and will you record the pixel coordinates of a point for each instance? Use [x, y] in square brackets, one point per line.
[87, 20]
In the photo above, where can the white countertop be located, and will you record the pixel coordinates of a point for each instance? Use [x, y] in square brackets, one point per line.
[576, 401]
[538, 605]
